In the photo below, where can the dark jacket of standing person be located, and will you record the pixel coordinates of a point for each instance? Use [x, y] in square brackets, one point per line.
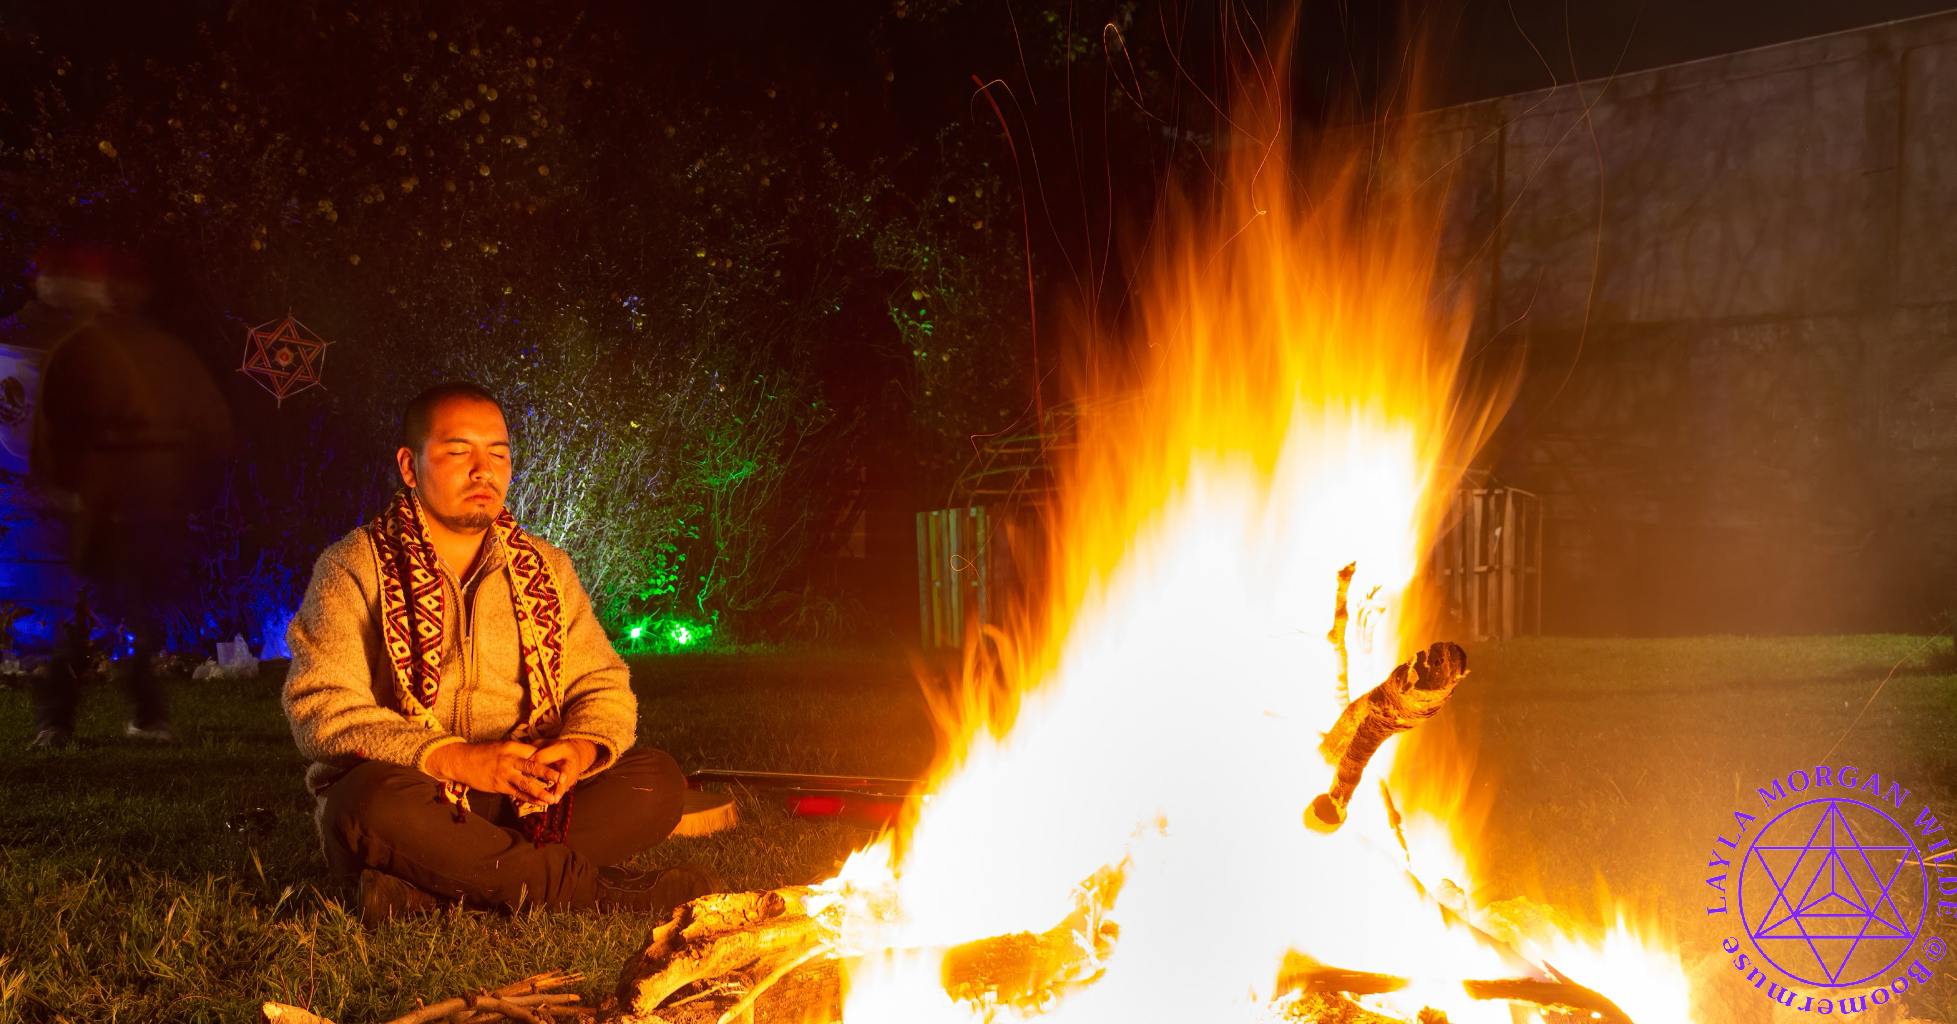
[127, 433]
[129, 424]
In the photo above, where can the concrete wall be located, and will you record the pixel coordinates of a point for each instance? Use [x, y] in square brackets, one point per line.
[1735, 282]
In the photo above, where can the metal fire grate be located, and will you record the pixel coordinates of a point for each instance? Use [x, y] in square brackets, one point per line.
[954, 573]
[1489, 562]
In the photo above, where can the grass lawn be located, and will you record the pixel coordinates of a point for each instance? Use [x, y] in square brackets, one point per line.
[133, 887]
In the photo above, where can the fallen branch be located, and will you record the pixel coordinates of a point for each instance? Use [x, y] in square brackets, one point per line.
[537, 983]
[463, 1004]
[507, 1008]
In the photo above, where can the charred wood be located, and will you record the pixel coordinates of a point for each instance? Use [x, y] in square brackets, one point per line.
[1563, 996]
[1300, 973]
[1414, 693]
[1026, 969]
[745, 934]
[1340, 615]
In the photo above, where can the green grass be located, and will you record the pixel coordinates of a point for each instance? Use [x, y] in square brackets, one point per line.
[1618, 761]
[1614, 763]
[125, 897]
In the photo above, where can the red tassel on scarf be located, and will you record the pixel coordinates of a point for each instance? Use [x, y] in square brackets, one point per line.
[550, 825]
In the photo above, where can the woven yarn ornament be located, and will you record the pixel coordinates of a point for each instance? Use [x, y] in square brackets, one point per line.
[284, 356]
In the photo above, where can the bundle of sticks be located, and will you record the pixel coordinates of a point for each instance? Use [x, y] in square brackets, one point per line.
[760, 957]
[529, 1001]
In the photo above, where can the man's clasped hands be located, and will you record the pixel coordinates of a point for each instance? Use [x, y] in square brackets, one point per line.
[537, 774]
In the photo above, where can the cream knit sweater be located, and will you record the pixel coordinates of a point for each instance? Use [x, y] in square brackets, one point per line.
[339, 694]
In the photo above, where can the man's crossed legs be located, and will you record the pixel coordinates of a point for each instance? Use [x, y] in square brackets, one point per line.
[389, 819]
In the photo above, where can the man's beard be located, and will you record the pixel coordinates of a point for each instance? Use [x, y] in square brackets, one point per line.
[467, 522]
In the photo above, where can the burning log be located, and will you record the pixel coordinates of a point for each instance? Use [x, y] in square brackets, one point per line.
[759, 956]
[755, 938]
[1302, 974]
[1411, 695]
[1028, 970]
[721, 956]
[1563, 996]
[1025, 969]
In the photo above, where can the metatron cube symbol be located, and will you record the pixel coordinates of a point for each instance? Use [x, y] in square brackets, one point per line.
[284, 356]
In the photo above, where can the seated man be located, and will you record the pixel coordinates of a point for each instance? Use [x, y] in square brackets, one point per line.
[470, 724]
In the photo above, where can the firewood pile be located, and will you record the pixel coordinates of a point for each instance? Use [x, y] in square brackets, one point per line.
[530, 1001]
[771, 958]
[777, 956]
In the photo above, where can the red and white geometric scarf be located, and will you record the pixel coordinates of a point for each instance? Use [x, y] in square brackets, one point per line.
[414, 605]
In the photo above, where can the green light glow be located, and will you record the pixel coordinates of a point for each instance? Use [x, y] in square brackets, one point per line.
[664, 633]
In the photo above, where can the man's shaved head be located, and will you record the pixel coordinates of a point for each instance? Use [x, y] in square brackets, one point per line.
[420, 413]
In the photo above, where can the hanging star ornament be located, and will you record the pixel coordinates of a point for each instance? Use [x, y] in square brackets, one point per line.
[284, 356]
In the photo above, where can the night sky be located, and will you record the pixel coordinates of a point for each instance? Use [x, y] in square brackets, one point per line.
[1482, 48]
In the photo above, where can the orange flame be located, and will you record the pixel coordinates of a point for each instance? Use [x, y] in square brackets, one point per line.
[1300, 406]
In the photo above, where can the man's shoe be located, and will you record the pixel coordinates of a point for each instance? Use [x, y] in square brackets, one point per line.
[50, 739]
[384, 897]
[160, 732]
[654, 892]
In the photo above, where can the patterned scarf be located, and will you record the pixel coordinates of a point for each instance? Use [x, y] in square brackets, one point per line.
[414, 602]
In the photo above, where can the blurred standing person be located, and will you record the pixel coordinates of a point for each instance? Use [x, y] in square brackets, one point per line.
[70, 286]
[127, 433]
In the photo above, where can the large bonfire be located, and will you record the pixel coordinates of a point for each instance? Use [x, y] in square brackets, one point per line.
[1123, 836]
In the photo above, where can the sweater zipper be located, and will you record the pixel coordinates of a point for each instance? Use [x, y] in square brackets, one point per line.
[459, 712]
[468, 658]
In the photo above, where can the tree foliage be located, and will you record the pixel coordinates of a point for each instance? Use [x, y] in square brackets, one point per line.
[649, 268]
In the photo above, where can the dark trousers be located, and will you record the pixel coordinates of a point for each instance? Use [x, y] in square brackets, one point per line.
[393, 819]
[132, 566]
